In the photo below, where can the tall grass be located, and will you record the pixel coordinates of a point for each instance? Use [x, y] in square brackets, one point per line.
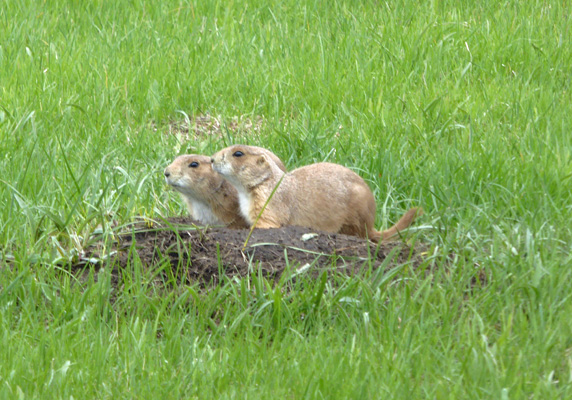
[461, 107]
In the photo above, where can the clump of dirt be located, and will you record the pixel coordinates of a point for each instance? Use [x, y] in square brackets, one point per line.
[203, 253]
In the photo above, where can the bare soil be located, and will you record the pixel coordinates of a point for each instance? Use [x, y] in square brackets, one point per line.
[198, 126]
[201, 254]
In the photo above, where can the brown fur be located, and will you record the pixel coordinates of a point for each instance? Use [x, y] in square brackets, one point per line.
[322, 196]
[210, 198]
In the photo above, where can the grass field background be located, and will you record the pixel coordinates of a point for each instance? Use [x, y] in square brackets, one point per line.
[461, 107]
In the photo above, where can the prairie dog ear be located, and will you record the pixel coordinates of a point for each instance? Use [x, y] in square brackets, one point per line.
[261, 160]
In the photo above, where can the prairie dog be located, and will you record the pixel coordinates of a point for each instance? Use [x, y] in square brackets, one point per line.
[210, 199]
[322, 196]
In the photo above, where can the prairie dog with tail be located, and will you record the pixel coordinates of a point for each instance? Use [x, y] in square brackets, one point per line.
[323, 196]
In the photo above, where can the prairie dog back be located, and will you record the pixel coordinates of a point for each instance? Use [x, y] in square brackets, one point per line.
[331, 197]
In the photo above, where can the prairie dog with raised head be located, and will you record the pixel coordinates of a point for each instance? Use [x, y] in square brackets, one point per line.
[322, 196]
[209, 197]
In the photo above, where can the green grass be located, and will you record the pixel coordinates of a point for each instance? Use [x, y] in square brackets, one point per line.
[462, 107]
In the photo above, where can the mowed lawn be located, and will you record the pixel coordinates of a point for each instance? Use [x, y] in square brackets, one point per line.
[461, 107]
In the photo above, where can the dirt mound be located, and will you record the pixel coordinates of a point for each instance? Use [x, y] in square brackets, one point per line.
[202, 253]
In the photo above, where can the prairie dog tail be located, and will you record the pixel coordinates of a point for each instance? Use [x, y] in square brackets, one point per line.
[404, 222]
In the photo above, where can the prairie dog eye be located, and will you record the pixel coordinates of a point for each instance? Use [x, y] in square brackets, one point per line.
[238, 154]
[194, 164]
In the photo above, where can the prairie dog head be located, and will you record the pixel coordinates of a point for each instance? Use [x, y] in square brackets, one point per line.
[192, 175]
[247, 166]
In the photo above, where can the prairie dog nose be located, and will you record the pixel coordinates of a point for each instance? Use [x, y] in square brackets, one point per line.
[212, 160]
[167, 174]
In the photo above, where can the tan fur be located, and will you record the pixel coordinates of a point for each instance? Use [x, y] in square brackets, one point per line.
[322, 196]
[210, 198]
